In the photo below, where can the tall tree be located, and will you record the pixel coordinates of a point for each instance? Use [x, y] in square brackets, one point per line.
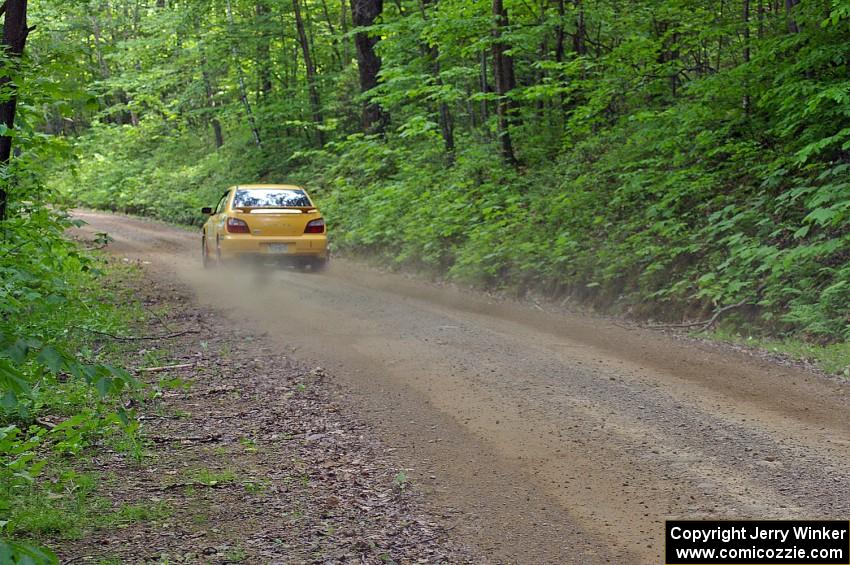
[263, 63]
[332, 30]
[484, 85]
[579, 38]
[503, 75]
[312, 87]
[243, 91]
[746, 22]
[560, 33]
[211, 103]
[15, 32]
[445, 115]
[363, 14]
[793, 27]
[343, 24]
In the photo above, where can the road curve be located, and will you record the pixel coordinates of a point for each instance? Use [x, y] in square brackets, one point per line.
[542, 438]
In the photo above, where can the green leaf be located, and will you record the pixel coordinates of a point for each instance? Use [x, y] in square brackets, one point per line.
[103, 386]
[52, 359]
[20, 553]
[802, 232]
[821, 216]
[12, 380]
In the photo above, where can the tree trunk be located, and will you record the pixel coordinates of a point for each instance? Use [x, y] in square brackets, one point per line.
[312, 87]
[540, 72]
[579, 43]
[720, 37]
[219, 136]
[559, 33]
[746, 20]
[503, 75]
[364, 13]
[334, 40]
[208, 89]
[485, 88]
[243, 92]
[792, 23]
[15, 33]
[101, 62]
[445, 115]
[343, 24]
[447, 129]
[674, 56]
[105, 73]
[669, 52]
[263, 62]
[560, 48]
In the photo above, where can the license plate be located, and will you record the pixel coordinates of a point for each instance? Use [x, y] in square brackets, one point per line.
[278, 248]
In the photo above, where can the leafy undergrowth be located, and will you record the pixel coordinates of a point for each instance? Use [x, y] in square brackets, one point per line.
[62, 392]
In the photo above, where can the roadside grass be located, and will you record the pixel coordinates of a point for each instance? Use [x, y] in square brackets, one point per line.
[65, 505]
[47, 491]
[236, 555]
[211, 477]
[255, 486]
[401, 480]
[833, 359]
[140, 512]
[61, 505]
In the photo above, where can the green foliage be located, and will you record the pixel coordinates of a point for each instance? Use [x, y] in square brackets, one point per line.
[831, 357]
[674, 158]
[49, 372]
[400, 480]
[212, 477]
[25, 554]
[60, 395]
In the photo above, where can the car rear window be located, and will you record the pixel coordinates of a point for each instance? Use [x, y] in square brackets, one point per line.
[271, 198]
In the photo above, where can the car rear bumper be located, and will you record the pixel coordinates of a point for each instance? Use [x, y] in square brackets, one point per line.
[247, 245]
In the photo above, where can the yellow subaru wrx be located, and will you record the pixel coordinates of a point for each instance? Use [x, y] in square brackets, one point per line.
[265, 222]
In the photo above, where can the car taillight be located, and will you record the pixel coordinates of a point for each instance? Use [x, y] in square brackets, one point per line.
[235, 225]
[316, 226]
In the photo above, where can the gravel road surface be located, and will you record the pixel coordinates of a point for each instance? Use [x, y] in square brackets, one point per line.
[543, 437]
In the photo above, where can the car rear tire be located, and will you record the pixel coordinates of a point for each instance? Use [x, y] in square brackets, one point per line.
[206, 261]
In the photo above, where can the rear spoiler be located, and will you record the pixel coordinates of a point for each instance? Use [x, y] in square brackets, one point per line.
[304, 209]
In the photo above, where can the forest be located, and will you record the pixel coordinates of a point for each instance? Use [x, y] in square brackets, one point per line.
[665, 159]
[654, 158]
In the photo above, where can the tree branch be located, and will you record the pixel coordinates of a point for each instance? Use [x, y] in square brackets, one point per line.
[134, 338]
[706, 324]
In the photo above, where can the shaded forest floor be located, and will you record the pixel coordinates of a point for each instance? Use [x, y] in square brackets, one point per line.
[249, 457]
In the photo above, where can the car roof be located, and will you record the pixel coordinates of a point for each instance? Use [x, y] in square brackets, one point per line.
[266, 186]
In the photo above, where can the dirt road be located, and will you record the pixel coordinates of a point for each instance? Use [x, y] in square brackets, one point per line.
[544, 438]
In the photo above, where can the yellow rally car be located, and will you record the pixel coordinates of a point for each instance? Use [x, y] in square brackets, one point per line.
[265, 222]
